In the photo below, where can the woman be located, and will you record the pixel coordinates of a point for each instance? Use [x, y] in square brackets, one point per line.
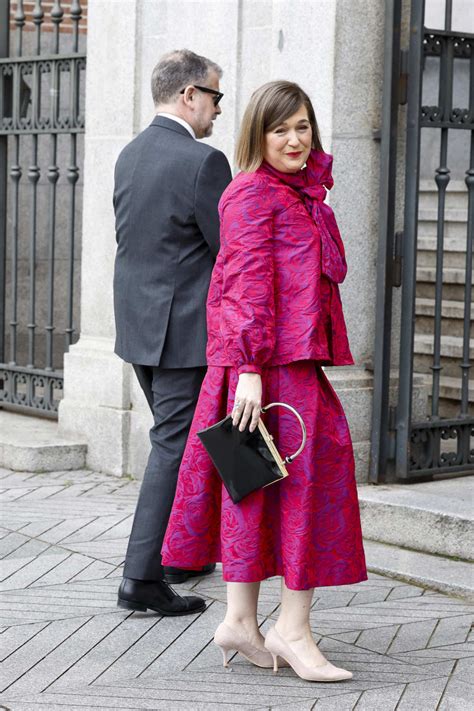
[274, 318]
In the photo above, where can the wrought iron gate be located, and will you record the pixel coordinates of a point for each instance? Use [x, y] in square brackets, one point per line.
[405, 444]
[42, 69]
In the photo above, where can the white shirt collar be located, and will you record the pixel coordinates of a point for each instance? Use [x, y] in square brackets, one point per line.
[178, 119]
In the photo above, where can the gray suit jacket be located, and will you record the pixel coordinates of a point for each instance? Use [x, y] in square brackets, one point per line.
[167, 188]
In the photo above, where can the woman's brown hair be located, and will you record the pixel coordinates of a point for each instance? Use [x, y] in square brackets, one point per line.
[269, 106]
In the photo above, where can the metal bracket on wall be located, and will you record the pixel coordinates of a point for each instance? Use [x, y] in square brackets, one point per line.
[403, 77]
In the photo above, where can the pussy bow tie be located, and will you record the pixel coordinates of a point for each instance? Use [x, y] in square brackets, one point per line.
[333, 260]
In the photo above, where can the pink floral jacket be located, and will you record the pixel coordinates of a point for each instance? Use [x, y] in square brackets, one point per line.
[274, 296]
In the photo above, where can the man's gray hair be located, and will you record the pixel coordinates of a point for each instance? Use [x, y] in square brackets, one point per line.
[178, 69]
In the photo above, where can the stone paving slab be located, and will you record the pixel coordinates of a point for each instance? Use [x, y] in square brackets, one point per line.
[65, 645]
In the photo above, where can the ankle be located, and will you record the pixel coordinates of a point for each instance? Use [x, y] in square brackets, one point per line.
[290, 633]
[237, 622]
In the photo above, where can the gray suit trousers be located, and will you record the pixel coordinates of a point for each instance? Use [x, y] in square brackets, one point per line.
[172, 395]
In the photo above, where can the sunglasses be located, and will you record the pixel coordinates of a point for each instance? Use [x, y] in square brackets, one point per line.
[217, 94]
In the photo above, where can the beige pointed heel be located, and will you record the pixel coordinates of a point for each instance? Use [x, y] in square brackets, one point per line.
[277, 646]
[230, 640]
[225, 656]
[275, 664]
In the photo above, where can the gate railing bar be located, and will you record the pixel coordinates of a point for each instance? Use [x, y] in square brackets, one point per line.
[73, 169]
[15, 175]
[404, 407]
[75, 13]
[39, 131]
[469, 180]
[57, 14]
[20, 19]
[27, 58]
[442, 179]
[447, 33]
[53, 176]
[380, 415]
[448, 15]
[73, 177]
[38, 16]
[35, 98]
[33, 177]
[4, 50]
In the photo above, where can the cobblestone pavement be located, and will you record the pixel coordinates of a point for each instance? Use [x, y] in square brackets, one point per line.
[65, 644]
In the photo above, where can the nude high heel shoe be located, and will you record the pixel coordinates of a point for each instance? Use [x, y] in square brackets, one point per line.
[230, 640]
[277, 646]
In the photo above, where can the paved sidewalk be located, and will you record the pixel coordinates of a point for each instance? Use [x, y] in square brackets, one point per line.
[64, 643]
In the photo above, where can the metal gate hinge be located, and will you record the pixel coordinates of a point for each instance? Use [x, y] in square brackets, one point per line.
[397, 259]
[403, 77]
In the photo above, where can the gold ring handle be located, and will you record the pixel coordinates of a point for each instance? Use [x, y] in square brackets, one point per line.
[290, 458]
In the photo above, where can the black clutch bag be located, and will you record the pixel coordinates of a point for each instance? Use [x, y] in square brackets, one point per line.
[246, 460]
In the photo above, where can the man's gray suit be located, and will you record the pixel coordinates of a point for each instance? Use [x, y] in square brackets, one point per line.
[167, 187]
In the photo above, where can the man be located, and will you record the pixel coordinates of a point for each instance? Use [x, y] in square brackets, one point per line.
[167, 187]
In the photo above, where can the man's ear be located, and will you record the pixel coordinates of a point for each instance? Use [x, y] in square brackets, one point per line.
[189, 94]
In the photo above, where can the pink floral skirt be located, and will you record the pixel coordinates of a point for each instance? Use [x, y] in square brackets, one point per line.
[306, 527]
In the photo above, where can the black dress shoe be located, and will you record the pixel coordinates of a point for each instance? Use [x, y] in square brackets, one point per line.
[158, 596]
[179, 575]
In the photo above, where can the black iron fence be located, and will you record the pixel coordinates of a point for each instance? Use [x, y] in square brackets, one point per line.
[406, 444]
[42, 72]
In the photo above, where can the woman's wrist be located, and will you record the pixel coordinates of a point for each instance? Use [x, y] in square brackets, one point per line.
[249, 369]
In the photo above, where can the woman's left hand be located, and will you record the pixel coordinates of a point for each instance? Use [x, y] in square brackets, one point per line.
[248, 401]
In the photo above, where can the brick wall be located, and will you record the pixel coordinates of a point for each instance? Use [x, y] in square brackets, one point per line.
[48, 25]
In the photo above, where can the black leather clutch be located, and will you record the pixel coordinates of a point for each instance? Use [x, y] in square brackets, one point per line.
[246, 460]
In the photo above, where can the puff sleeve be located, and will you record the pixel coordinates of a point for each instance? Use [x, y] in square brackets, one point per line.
[248, 303]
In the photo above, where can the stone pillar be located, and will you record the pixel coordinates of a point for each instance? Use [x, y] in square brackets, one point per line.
[97, 399]
[357, 99]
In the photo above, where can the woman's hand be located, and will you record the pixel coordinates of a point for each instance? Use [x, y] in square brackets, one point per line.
[248, 401]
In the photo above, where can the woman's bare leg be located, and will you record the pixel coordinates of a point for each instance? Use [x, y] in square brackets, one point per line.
[241, 615]
[293, 625]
